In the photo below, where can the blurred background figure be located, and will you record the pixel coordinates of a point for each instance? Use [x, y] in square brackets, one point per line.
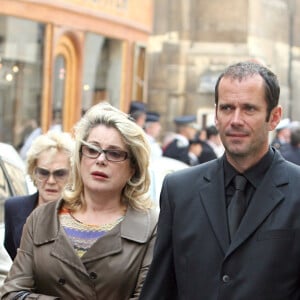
[153, 129]
[207, 153]
[56, 125]
[179, 148]
[291, 151]
[214, 141]
[5, 264]
[137, 111]
[282, 134]
[212, 146]
[196, 147]
[48, 165]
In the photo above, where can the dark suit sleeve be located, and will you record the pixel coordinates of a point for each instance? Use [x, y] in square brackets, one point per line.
[160, 283]
[9, 233]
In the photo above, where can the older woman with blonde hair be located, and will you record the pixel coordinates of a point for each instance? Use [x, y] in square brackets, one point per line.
[97, 242]
[48, 166]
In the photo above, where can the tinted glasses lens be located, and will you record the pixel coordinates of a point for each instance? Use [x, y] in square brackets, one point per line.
[44, 174]
[115, 155]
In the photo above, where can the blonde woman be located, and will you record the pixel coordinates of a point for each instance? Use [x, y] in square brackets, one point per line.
[97, 242]
[48, 165]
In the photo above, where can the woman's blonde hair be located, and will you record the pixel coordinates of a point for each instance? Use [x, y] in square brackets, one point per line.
[52, 140]
[135, 192]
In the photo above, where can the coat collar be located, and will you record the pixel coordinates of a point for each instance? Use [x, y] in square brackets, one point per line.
[136, 226]
[267, 197]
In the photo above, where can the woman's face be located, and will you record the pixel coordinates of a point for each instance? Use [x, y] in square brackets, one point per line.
[101, 175]
[51, 175]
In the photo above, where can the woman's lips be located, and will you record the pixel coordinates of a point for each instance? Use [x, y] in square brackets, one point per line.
[99, 174]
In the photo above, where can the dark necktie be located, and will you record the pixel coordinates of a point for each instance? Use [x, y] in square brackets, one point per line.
[238, 205]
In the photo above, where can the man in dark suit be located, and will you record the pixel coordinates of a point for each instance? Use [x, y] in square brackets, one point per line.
[202, 251]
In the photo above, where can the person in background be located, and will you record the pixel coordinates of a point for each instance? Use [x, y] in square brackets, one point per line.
[5, 264]
[214, 141]
[97, 242]
[207, 152]
[56, 125]
[196, 148]
[228, 228]
[180, 147]
[152, 129]
[291, 151]
[48, 165]
[282, 134]
[137, 112]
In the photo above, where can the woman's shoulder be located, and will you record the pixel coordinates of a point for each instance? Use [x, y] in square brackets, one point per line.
[47, 209]
[139, 225]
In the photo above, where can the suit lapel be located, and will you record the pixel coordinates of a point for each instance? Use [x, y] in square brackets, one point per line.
[213, 199]
[267, 197]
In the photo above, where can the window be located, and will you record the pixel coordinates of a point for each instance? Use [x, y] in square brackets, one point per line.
[21, 58]
[102, 71]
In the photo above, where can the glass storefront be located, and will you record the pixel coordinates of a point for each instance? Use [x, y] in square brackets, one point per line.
[102, 70]
[21, 74]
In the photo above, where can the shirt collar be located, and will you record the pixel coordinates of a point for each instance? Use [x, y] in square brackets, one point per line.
[254, 174]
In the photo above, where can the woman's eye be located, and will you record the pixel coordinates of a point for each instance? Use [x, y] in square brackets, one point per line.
[115, 154]
[92, 150]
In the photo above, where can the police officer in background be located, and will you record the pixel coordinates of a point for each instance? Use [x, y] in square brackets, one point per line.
[153, 129]
[137, 112]
[282, 134]
[180, 148]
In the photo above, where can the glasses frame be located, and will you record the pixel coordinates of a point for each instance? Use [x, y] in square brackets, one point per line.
[58, 178]
[100, 151]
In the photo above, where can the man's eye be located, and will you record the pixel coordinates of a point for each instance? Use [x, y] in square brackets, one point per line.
[250, 108]
[225, 107]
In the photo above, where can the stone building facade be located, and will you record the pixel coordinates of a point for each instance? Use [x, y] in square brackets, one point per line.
[194, 40]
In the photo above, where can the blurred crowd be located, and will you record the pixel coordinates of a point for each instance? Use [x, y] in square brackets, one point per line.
[194, 145]
[188, 143]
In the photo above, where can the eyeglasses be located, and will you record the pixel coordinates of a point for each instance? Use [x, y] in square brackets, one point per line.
[92, 151]
[59, 175]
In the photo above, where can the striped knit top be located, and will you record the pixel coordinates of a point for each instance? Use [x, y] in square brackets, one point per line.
[83, 236]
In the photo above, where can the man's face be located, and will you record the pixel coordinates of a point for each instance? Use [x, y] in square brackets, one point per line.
[241, 119]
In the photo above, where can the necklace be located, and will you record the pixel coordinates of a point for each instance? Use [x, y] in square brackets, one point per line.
[105, 226]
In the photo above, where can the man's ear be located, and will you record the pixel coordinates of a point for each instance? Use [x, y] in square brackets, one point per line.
[275, 117]
[216, 118]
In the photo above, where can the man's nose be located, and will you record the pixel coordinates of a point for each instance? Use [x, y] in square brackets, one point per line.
[237, 116]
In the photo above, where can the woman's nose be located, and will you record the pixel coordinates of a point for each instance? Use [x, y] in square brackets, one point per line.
[101, 157]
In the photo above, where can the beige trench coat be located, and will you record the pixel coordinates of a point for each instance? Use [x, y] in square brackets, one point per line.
[114, 268]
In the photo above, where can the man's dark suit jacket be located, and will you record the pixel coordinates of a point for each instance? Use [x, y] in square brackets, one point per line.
[16, 211]
[193, 259]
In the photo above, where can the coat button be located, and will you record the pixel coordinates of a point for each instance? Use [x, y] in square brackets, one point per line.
[61, 281]
[225, 278]
[93, 275]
